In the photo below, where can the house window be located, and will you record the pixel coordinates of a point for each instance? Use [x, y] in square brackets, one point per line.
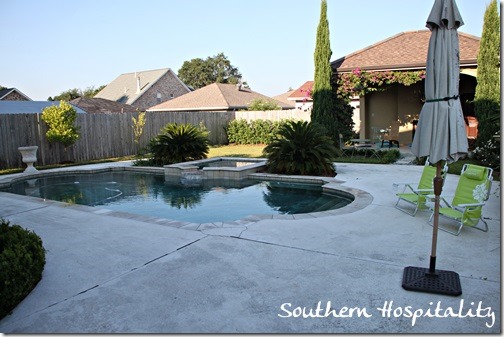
[158, 98]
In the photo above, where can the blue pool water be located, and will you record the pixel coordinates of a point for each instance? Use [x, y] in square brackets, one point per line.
[206, 201]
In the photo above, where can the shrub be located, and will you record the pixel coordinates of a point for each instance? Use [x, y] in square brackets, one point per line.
[22, 260]
[368, 155]
[60, 120]
[301, 148]
[488, 153]
[258, 131]
[390, 156]
[178, 143]
[259, 104]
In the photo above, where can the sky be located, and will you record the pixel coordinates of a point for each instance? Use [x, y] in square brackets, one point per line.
[50, 46]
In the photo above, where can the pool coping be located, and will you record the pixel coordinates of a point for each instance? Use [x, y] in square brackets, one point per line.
[361, 200]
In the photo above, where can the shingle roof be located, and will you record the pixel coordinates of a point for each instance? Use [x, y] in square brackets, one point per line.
[28, 107]
[5, 92]
[214, 97]
[284, 98]
[124, 89]
[301, 93]
[406, 50]
[101, 105]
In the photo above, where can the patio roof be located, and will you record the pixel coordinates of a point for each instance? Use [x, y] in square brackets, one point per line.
[404, 51]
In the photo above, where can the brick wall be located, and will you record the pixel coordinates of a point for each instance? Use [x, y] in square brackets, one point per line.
[14, 96]
[166, 86]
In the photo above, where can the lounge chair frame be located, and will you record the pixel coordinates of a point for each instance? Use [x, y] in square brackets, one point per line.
[417, 196]
[463, 214]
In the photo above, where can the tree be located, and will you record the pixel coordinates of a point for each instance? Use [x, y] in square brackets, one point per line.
[301, 148]
[60, 120]
[71, 94]
[178, 143]
[198, 73]
[329, 110]
[487, 96]
[138, 126]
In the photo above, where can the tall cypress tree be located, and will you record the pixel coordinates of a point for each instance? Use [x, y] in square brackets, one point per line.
[322, 89]
[487, 97]
[328, 110]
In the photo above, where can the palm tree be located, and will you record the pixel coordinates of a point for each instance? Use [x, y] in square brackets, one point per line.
[301, 148]
[178, 143]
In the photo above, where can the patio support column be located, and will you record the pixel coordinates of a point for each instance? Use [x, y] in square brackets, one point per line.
[362, 116]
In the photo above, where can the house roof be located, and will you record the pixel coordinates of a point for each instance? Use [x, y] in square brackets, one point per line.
[215, 97]
[284, 98]
[301, 93]
[101, 105]
[404, 51]
[127, 88]
[28, 107]
[5, 92]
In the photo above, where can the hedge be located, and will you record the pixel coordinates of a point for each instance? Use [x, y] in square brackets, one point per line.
[22, 260]
[259, 131]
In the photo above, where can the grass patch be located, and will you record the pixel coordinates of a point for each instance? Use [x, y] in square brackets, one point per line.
[456, 167]
[238, 150]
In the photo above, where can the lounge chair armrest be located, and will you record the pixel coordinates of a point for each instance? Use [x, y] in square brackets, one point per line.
[406, 185]
[464, 206]
[424, 190]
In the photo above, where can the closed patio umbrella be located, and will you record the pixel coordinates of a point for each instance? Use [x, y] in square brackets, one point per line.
[441, 132]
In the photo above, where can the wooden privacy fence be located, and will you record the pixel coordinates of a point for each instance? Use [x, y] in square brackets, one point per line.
[101, 135]
[111, 135]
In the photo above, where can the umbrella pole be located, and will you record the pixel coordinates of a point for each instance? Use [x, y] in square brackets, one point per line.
[438, 187]
[429, 279]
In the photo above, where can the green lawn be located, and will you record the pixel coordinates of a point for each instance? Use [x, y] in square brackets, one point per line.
[247, 151]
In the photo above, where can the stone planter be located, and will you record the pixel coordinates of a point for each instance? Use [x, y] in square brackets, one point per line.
[29, 154]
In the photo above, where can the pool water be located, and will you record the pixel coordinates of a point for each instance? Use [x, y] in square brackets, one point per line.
[207, 201]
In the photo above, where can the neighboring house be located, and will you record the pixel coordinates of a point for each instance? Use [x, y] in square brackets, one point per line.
[29, 107]
[101, 105]
[405, 51]
[215, 97]
[145, 88]
[284, 98]
[301, 97]
[13, 94]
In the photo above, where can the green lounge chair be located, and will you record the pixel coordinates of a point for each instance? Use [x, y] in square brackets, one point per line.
[417, 196]
[473, 189]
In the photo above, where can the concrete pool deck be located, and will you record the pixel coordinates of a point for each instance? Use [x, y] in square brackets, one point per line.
[111, 274]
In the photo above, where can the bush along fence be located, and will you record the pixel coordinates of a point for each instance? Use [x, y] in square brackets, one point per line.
[112, 135]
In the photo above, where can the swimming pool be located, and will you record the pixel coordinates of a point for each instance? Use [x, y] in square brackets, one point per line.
[209, 201]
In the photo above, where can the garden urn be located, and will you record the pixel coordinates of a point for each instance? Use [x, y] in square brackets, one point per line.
[29, 154]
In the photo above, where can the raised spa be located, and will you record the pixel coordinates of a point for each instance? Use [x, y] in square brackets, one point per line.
[216, 168]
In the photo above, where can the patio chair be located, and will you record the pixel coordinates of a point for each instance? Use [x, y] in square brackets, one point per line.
[473, 189]
[417, 196]
[344, 149]
[392, 137]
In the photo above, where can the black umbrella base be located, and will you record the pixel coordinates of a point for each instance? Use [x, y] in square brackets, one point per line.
[441, 282]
